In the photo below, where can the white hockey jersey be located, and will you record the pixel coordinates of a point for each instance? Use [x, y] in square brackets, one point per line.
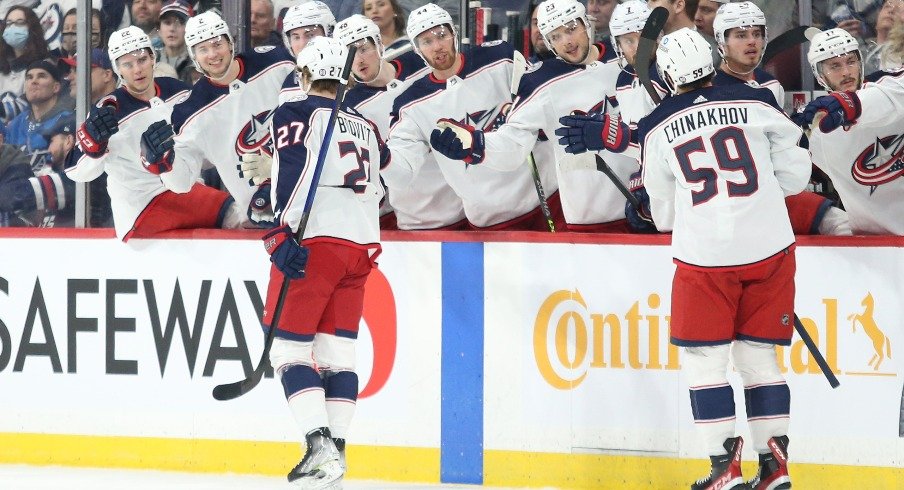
[761, 79]
[346, 204]
[549, 90]
[130, 185]
[218, 123]
[866, 161]
[475, 97]
[725, 157]
[427, 202]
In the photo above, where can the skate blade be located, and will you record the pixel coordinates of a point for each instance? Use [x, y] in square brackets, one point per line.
[326, 477]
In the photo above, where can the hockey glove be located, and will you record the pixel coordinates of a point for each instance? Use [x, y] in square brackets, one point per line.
[157, 148]
[458, 141]
[255, 167]
[838, 108]
[593, 132]
[260, 210]
[285, 252]
[96, 131]
[639, 220]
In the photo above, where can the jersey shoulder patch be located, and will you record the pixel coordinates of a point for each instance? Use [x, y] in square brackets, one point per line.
[550, 69]
[264, 49]
[492, 43]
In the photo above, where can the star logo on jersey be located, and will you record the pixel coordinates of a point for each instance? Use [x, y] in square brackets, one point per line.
[596, 109]
[483, 120]
[255, 135]
[880, 162]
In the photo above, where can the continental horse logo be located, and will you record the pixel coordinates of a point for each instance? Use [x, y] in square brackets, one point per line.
[867, 320]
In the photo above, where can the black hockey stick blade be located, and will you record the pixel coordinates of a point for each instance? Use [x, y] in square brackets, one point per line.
[604, 167]
[814, 351]
[230, 391]
[788, 40]
[648, 37]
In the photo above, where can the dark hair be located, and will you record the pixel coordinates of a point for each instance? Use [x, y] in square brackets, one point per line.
[690, 8]
[698, 84]
[101, 18]
[35, 49]
[325, 85]
[398, 21]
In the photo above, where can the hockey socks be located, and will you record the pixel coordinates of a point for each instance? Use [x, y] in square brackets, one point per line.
[304, 392]
[341, 394]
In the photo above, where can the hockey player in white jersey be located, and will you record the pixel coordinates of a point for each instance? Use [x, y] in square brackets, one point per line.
[314, 347]
[864, 161]
[110, 139]
[634, 102]
[580, 80]
[427, 202]
[471, 87]
[727, 155]
[227, 114]
[302, 23]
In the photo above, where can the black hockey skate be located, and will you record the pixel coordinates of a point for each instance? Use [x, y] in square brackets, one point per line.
[320, 468]
[773, 472]
[726, 469]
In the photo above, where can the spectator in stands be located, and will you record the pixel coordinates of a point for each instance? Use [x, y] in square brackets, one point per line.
[69, 34]
[173, 16]
[22, 43]
[892, 13]
[262, 24]
[15, 170]
[539, 50]
[42, 91]
[103, 80]
[892, 57]
[146, 15]
[706, 14]
[681, 13]
[600, 11]
[390, 18]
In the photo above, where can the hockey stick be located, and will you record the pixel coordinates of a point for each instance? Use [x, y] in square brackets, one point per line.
[234, 390]
[518, 67]
[901, 416]
[814, 351]
[604, 167]
[787, 40]
[645, 46]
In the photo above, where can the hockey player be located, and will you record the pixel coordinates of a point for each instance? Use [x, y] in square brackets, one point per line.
[581, 79]
[471, 87]
[634, 102]
[302, 23]
[427, 202]
[227, 114]
[314, 349]
[863, 161]
[727, 155]
[109, 140]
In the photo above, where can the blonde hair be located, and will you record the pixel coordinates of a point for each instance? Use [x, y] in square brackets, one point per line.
[891, 58]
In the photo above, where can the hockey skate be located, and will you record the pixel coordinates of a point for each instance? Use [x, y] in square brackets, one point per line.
[726, 469]
[773, 472]
[320, 468]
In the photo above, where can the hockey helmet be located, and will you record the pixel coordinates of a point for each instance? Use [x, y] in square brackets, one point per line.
[356, 28]
[125, 41]
[742, 14]
[425, 18]
[203, 27]
[315, 13]
[829, 44]
[552, 14]
[683, 57]
[627, 17]
[324, 58]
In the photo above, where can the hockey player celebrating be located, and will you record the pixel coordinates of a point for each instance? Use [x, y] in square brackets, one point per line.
[727, 155]
[314, 347]
[634, 102]
[581, 79]
[863, 161]
[142, 197]
[227, 114]
[302, 23]
[471, 88]
[427, 202]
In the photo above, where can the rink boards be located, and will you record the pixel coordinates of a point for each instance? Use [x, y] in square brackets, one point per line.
[522, 360]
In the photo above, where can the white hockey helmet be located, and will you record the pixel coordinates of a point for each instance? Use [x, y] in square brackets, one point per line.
[356, 28]
[627, 17]
[683, 57]
[324, 58]
[552, 14]
[829, 44]
[425, 18]
[308, 14]
[742, 14]
[125, 41]
[203, 27]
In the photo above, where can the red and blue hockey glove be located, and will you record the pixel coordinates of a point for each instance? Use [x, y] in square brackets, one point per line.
[260, 210]
[639, 220]
[285, 252]
[837, 109]
[593, 132]
[458, 141]
[157, 148]
[95, 132]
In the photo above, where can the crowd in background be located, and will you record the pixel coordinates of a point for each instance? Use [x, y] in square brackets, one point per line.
[38, 86]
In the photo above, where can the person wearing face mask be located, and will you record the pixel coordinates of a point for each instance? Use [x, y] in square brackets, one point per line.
[22, 43]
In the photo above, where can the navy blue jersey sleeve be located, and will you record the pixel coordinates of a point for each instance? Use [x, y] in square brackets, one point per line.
[291, 125]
